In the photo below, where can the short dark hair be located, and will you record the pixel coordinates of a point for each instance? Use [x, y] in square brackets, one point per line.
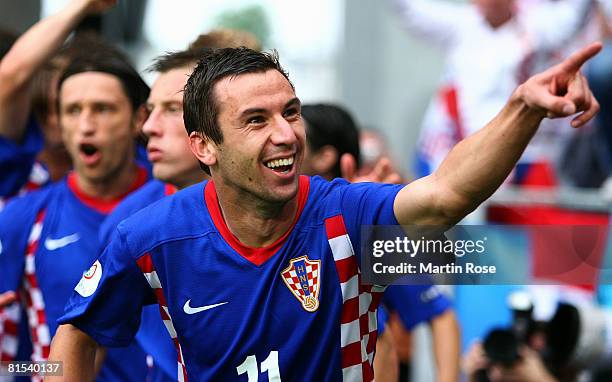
[176, 60]
[102, 57]
[330, 124]
[200, 109]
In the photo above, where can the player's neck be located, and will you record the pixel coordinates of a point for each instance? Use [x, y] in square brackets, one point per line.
[256, 223]
[189, 179]
[112, 186]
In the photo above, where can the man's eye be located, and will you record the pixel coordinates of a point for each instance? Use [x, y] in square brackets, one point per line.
[72, 110]
[292, 113]
[255, 120]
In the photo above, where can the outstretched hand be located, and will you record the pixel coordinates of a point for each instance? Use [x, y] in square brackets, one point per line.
[562, 90]
[383, 171]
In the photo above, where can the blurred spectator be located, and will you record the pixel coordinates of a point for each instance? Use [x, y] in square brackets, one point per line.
[225, 38]
[490, 46]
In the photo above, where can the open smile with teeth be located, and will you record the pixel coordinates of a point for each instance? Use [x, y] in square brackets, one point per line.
[282, 164]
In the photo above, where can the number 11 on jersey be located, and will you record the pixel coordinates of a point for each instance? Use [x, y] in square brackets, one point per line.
[269, 365]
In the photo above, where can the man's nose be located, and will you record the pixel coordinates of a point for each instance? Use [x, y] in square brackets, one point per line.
[283, 132]
[151, 125]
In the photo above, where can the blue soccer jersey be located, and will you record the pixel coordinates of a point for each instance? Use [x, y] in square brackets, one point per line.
[152, 335]
[415, 304]
[49, 238]
[294, 310]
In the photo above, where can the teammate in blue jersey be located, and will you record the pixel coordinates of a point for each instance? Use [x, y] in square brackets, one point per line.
[256, 271]
[29, 72]
[49, 237]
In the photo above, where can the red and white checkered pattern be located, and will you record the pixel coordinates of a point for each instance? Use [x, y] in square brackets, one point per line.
[145, 263]
[9, 320]
[33, 298]
[358, 320]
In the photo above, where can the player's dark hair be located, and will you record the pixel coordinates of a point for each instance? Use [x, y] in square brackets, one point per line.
[331, 125]
[176, 60]
[200, 109]
[104, 58]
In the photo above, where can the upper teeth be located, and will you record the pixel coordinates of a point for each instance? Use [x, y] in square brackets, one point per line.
[280, 162]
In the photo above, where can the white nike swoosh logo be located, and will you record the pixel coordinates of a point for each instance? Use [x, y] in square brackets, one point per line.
[189, 310]
[53, 244]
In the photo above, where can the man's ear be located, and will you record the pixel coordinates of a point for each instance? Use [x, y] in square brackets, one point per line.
[203, 148]
[140, 116]
[324, 159]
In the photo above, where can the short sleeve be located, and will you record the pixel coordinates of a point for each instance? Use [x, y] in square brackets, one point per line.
[16, 222]
[16, 160]
[368, 204]
[415, 303]
[107, 302]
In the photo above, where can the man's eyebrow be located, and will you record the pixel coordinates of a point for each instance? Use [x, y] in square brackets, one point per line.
[254, 110]
[293, 102]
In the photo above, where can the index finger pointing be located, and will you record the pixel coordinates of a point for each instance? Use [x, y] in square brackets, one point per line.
[574, 62]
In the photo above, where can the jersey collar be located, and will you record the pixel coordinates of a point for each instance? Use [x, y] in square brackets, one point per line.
[105, 206]
[257, 256]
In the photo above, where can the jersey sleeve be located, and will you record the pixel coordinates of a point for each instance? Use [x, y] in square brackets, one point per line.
[16, 222]
[17, 159]
[415, 303]
[367, 204]
[107, 302]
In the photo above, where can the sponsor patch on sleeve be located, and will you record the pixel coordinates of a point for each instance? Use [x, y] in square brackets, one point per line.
[90, 280]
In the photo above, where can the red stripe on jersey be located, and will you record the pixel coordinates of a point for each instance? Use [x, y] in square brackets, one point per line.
[347, 268]
[351, 354]
[10, 328]
[46, 349]
[169, 189]
[32, 281]
[364, 324]
[163, 314]
[145, 263]
[372, 342]
[368, 372]
[159, 293]
[350, 310]
[334, 227]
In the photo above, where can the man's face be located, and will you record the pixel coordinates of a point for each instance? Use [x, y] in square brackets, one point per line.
[263, 136]
[98, 125]
[168, 147]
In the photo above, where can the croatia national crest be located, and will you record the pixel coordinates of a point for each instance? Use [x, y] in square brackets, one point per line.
[302, 277]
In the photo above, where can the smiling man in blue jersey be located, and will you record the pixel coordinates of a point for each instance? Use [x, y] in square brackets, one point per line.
[174, 166]
[50, 236]
[256, 271]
